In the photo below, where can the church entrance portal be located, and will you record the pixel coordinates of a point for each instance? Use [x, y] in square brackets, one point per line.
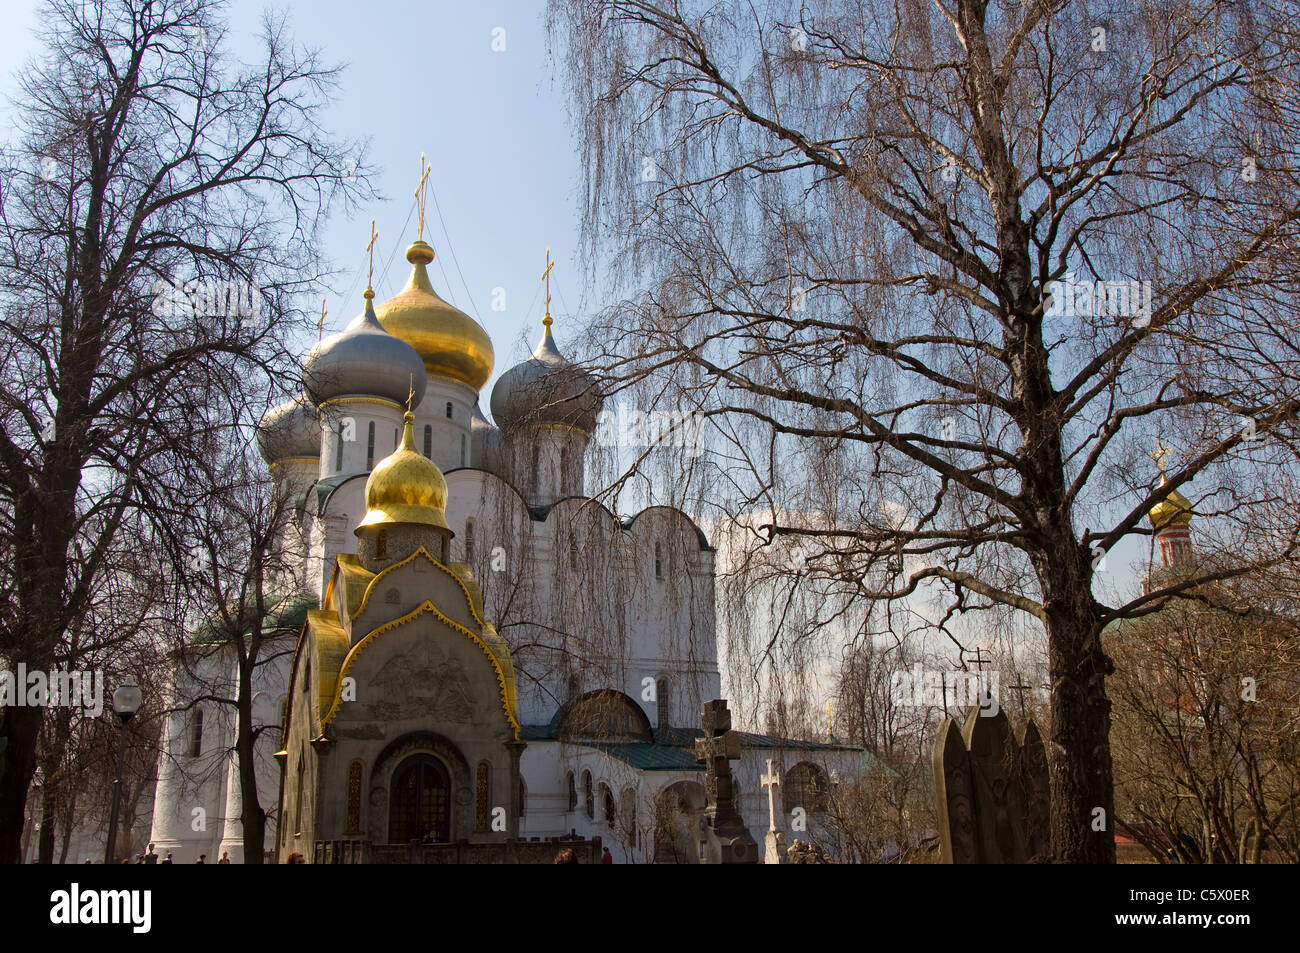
[420, 808]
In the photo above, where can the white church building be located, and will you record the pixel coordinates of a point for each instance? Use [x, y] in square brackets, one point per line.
[485, 653]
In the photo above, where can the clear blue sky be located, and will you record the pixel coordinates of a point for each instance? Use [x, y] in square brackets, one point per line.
[423, 77]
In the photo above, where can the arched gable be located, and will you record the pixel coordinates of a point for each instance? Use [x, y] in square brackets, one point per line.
[606, 715]
[509, 705]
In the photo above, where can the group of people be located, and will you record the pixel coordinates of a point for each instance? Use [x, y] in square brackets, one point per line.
[152, 858]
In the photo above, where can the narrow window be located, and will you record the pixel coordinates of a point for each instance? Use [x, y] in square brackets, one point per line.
[523, 798]
[573, 793]
[564, 468]
[464, 451]
[664, 701]
[589, 796]
[481, 808]
[370, 445]
[297, 807]
[196, 733]
[338, 451]
[381, 544]
[573, 550]
[449, 410]
[659, 561]
[469, 541]
[428, 441]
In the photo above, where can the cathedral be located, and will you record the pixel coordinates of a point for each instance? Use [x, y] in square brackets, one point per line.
[487, 659]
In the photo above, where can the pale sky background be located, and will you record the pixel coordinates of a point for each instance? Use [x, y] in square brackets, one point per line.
[423, 77]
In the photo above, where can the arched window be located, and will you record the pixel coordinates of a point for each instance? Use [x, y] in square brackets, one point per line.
[195, 744]
[338, 450]
[664, 701]
[588, 796]
[806, 786]
[573, 793]
[428, 441]
[297, 805]
[573, 550]
[659, 561]
[449, 410]
[469, 540]
[607, 805]
[354, 798]
[482, 794]
[381, 544]
[370, 445]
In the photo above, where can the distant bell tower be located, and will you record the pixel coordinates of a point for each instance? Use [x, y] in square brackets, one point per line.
[1170, 519]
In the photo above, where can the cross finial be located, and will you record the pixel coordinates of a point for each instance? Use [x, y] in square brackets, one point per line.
[370, 249]
[420, 191]
[546, 277]
[320, 323]
[830, 720]
[410, 395]
[1159, 455]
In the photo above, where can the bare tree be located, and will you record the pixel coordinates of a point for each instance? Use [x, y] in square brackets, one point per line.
[146, 156]
[940, 273]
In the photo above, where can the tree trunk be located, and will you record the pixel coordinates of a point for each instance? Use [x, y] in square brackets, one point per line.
[1082, 782]
[45, 845]
[252, 816]
[21, 725]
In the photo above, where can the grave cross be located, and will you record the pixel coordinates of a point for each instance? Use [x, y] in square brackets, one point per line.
[1020, 690]
[770, 781]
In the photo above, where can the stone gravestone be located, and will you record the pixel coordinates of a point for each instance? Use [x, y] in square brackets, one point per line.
[991, 793]
[724, 839]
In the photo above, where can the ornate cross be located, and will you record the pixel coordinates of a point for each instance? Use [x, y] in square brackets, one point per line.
[420, 191]
[410, 394]
[546, 277]
[1159, 455]
[770, 781]
[370, 249]
[320, 324]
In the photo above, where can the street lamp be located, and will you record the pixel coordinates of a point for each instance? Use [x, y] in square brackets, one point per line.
[126, 702]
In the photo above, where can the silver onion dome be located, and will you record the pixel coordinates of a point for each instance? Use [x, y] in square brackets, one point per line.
[291, 429]
[364, 360]
[546, 389]
[485, 440]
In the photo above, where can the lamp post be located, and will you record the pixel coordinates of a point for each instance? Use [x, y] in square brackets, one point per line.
[126, 702]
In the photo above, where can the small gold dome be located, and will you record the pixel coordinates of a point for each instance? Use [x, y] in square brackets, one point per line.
[406, 487]
[1173, 510]
[451, 343]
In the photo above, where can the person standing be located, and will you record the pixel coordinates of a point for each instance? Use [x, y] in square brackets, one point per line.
[606, 857]
[225, 857]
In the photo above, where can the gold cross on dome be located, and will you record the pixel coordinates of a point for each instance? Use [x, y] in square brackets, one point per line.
[410, 395]
[546, 277]
[420, 191]
[830, 720]
[1159, 455]
[370, 249]
[320, 323]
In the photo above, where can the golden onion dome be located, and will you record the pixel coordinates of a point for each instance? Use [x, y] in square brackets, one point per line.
[1173, 510]
[406, 487]
[451, 343]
